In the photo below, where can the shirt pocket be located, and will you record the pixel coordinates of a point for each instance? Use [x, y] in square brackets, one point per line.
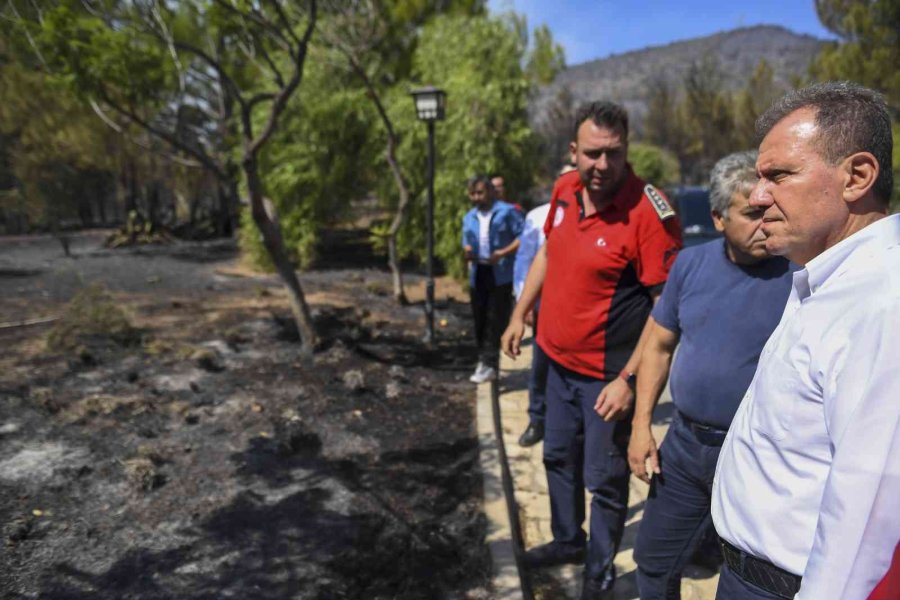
[777, 392]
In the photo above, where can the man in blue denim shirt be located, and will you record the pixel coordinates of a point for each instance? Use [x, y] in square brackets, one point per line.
[490, 239]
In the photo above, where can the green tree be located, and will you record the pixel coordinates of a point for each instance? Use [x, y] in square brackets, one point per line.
[708, 116]
[760, 92]
[546, 58]
[478, 61]
[316, 163]
[365, 34]
[664, 125]
[59, 160]
[239, 63]
[654, 164]
[868, 52]
[869, 48]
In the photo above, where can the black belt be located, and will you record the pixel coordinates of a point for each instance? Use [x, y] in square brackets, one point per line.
[760, 573]
[705, 433]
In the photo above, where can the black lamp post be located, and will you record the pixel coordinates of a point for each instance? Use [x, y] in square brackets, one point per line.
[430, 108]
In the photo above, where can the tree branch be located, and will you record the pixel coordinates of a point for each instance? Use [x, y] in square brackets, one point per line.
[169, 40]
[226, 79]
[259, 20]
[30, 39]
[281, 99]
[285, 22]
[98, 110]
[172, 140]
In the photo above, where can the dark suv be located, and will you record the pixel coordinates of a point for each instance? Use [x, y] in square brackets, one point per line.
[692, 204]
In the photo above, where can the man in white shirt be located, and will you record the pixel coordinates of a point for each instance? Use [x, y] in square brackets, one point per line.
[530, 242]
[806, 496]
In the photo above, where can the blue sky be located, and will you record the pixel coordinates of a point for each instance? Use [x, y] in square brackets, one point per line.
[590, 29]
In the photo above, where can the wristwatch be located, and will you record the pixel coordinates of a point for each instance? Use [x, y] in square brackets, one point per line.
[630, 378]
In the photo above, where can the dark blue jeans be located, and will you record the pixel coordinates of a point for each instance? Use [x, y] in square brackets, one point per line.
[732, 587]
[582, 450]
[537, 381]
[677, 513]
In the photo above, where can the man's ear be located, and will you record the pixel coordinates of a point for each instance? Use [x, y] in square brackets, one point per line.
[718, 221]
[860, 171]
[572, 150]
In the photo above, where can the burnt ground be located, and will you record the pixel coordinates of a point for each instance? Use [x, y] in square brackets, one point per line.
[211, 459]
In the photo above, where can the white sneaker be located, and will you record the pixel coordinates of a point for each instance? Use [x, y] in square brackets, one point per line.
[478, 369]
[482, 374]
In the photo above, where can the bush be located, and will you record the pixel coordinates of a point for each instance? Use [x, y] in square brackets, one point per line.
[92, 315]
[653, 164]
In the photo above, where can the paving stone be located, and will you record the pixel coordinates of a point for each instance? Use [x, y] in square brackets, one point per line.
[534, 505]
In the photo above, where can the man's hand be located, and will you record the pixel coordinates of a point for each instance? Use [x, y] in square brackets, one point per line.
[614, 401]
[496, 255]
[512, 337]
[469, 253]
[642, 447]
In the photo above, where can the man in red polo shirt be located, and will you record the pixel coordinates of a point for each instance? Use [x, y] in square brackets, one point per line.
[611, 240]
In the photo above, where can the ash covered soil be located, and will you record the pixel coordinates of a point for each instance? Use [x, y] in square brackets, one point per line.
[211, 459]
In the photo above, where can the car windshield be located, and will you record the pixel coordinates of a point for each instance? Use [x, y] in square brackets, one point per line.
[694, 208]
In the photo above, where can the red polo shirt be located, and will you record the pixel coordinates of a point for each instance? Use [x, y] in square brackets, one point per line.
[601, 271]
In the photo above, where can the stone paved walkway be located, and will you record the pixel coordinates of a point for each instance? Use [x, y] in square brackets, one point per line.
[531, 494]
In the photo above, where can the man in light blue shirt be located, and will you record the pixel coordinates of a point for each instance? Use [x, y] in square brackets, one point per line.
[530, 242]
[490, 238]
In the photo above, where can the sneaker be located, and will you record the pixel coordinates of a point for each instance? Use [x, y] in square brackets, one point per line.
[552, 554]
[478, 368]
[482, 373]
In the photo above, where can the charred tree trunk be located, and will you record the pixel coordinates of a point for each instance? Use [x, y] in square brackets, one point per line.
[268, 225]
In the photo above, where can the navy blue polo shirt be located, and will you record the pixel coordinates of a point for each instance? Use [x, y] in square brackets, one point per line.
[724, 314]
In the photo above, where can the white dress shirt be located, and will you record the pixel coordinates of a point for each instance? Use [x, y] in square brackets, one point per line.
[530, 241]
[809, 475]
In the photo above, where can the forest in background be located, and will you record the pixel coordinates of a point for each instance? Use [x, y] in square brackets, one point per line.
[269, 120]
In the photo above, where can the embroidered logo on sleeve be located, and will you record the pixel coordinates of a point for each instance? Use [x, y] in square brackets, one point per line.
[559, 216]
[660, 205]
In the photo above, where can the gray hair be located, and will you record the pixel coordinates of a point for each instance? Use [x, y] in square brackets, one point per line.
[850, 118]
[734, 173]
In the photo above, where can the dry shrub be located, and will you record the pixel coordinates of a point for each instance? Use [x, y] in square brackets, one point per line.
[143, 475]
[103, 406]
[92, 315]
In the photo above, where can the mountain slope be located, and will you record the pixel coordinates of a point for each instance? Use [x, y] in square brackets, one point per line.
[626, 78]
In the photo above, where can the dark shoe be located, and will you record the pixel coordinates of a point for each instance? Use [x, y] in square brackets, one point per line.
[599, 589]
[532, 435]
[549, 555]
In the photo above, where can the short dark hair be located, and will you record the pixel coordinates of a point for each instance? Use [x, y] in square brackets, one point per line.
[851, 118]
[604, 114]
[474, 180]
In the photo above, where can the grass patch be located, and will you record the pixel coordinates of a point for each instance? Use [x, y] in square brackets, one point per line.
[92, 315]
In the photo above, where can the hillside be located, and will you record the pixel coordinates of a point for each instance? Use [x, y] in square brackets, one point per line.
[626, 77]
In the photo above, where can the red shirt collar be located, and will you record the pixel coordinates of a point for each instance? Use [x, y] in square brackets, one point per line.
[624, 198]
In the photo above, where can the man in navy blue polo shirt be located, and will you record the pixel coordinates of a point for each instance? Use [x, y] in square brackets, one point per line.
[722, 302]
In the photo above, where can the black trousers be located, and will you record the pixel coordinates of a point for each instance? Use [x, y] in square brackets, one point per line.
[491, 307]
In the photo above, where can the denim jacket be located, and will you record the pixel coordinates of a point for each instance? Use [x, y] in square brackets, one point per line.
[506, 225]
